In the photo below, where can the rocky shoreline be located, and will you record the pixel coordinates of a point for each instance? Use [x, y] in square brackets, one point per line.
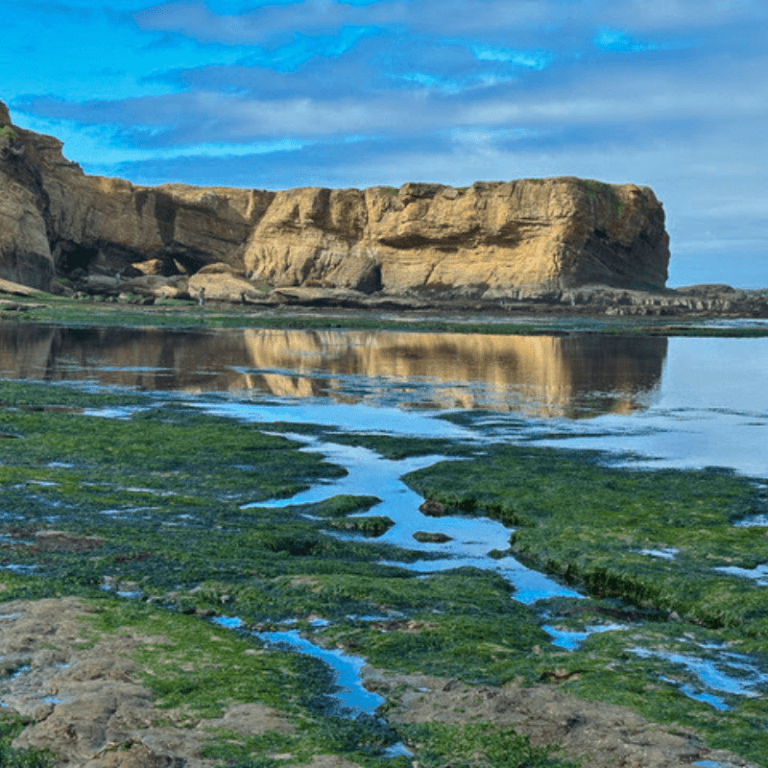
[87, 701]
[221, 288]
[113, 629]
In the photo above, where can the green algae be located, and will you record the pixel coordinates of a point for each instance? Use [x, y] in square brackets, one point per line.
[482, 744]
[200, 669]
[595, 525]
[47, 308]
[197, 670]
[646, 546]
[373, 525]
[163, 487]
[11, 726]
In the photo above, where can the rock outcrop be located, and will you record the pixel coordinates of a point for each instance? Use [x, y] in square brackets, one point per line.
[490, 241]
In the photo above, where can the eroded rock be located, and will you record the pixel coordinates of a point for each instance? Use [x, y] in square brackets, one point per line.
[86, 699]
[599, 735]
[492, 240]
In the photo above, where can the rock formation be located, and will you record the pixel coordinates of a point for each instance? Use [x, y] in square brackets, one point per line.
[491, 240]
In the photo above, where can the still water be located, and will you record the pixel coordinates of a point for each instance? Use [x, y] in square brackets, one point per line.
[684, 402]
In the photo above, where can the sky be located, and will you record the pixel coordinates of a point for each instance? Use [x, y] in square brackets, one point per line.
[274, 94]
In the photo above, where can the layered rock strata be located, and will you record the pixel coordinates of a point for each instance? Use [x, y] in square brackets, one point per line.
[492, 240]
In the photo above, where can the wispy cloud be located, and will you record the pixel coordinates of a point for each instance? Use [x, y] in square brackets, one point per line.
[615, 40]
[275, 93]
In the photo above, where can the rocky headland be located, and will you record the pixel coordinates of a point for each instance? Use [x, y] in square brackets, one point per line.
[563, 243]
[532, 244]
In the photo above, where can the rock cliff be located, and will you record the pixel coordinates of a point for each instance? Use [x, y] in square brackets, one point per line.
[491, 240]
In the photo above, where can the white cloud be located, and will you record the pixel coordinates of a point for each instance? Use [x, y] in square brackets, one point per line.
[526, 59]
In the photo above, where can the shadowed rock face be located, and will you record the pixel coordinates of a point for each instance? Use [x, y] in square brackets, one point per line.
[490, 240]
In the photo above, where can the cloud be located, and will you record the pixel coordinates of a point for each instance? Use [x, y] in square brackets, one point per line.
[526, 59]
[267, 25]
[277, 93]
[614, 40]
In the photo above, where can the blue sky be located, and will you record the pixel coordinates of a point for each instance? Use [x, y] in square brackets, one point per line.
[284, 93]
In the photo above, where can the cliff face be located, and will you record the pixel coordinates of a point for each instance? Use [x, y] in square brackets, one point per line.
[490, 240]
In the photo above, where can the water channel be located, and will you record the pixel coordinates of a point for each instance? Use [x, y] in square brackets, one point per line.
[649, 401]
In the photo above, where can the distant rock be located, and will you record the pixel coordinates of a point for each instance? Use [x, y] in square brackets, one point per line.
[521, 239]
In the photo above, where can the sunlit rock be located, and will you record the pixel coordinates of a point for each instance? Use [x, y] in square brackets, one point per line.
[495, 240]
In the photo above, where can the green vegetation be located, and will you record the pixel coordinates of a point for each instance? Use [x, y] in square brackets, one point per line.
[176, 313]
[589, 524]
[479, 744]
[599, 189]
[6, 132]
[153, 504]
[197, 670]
[200, 669]
[10, 727]
[646, 546]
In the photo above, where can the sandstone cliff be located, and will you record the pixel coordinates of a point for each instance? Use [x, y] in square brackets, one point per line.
[490, 240]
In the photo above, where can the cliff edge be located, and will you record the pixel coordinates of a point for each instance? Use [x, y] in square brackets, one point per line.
[492, 240]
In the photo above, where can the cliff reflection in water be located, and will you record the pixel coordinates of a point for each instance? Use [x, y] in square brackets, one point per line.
[573, 376]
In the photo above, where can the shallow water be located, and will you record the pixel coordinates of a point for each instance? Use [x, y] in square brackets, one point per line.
[352, 697]
[682, 402]
[471, 538]
[574, 375]
[725, 672]
[652, 402]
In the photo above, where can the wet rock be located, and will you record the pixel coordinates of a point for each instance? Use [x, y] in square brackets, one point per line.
[63, 541]
[250, 718]
[598, 735]
[435, 538]
[88, 704]
[374, 525]
[220, 282]
[432, 508]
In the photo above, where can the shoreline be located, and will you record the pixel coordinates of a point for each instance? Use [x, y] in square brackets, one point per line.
[308, 309]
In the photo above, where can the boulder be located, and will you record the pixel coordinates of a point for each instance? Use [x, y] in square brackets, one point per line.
[16, 289]
[156, 286]
[220, 282]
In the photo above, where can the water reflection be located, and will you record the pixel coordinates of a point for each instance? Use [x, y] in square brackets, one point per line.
[571, 376]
